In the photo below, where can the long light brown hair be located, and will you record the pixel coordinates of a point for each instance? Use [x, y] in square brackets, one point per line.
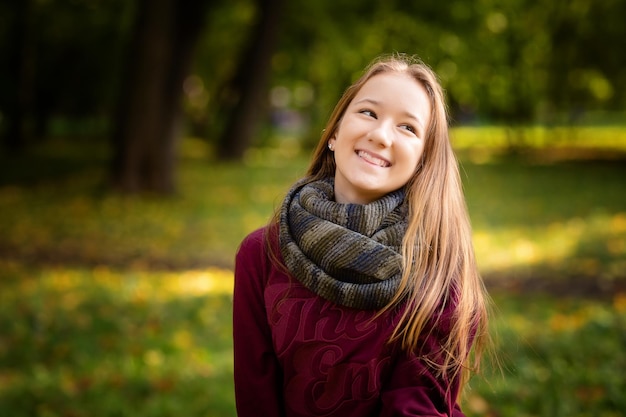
[439, 264]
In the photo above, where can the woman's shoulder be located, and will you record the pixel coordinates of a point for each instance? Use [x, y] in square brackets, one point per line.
[258, 258]
[256, 243]
[253, 239]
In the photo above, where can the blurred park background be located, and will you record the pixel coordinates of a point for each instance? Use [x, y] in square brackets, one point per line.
[142, 140]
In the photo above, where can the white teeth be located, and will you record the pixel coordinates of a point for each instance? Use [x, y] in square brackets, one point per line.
[372, 159]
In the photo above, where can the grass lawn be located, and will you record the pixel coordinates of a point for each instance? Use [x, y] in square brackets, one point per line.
[113, 305]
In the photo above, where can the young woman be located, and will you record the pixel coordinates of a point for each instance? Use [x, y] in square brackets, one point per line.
[362, 296]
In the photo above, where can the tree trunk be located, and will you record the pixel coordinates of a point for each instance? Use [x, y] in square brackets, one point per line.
[248, 88]
[147, 126]
[22, 69]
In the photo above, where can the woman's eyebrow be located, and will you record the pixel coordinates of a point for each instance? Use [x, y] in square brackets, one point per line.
[368, 100]
[414, 117]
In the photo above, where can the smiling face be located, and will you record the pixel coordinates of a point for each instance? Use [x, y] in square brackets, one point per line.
[380, 139]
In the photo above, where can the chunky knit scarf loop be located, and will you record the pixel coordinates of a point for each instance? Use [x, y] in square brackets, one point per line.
[346, 253]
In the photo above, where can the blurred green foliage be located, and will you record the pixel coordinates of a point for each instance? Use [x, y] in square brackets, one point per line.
[513, 61]
[559, 357]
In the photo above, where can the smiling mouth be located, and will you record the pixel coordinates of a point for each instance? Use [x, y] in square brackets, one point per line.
[374, 160]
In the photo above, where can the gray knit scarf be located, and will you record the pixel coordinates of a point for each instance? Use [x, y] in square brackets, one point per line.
[346, 253]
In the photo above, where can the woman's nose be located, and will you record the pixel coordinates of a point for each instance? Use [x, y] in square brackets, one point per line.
[381, 135]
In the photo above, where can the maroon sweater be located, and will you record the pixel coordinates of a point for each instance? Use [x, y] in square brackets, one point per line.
[297, 354]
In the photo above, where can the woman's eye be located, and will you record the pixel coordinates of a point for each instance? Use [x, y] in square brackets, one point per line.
[368, 113]
[408, 127]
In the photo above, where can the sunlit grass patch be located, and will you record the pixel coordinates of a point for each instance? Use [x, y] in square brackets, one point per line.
[611, 137]
[550, 221]
[101, 341]
[128, 284]
[593, 247]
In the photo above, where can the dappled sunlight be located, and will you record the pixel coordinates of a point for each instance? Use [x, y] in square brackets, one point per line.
[67, 283]
[561, 245]
[619, 303]
[590, 138]
[211, 281]
[570, 321]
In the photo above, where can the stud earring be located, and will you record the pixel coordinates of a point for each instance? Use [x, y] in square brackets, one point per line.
[330, 146]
